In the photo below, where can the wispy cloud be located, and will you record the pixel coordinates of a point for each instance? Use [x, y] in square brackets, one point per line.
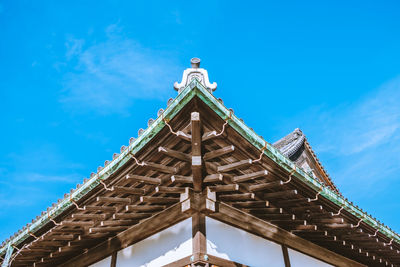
[360, 141]
[109, 75]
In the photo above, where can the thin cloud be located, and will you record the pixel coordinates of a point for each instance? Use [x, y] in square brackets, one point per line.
[361, 141]
[108, 76]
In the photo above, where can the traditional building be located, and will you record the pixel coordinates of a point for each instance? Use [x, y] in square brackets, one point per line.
[199, 187]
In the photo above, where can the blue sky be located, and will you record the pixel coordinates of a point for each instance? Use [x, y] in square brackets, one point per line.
[78, 79]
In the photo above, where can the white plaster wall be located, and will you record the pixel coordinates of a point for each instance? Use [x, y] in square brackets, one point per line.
[167, 246]
[234, 244]
[103, 263]
[298, 259]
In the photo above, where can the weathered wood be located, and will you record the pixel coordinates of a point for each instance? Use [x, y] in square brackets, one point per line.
[68, 237]
[219, 152]
[263, 186]
[212, 178]
[99, 208]
[114, 259]
[77, 223]
[234, 166]
[250, 176]
[132, 216]
[128, 190]
[144, 208]
[240, 219]
[88, 216]
[150, 199]
[280, 194]
[208, 136]
[277, 216]
[265, 210]
[182, 179]
[107, 229]
[251, 204]
[184, 136]
[160, 167]
[175, 154]
[133, 234]
[307, 207]
[117, 223]
[331, 220]
[113, 200]
[291, 202]
[243, 196]
[224, 188]
[307, 227]
[338, 225]
[167, 189]
[143, 179]
[199, 242]
[285, 256]
[196, 152]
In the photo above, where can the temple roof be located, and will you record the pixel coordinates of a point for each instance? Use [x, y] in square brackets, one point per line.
[290, 156]
[296, 147]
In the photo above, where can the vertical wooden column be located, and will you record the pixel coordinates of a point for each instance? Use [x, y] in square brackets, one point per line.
[196, 152]
[114, 259]
[199, 234]
[285, 256]
[198, 219]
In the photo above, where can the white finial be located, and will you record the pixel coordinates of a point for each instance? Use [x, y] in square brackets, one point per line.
[195, 72]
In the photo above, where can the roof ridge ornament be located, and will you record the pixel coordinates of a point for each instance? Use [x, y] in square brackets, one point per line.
[195, 72]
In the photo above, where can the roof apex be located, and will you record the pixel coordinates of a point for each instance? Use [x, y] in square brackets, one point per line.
[195, 72]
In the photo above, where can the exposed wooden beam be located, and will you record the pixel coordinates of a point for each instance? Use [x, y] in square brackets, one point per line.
[243, 196]
[280, 194]
[67, 237]
[107, 229]
[143, 179]
[263, 186]
[291, 202]
[265, 210]
[277, 216]
[208, 135]
[245, 221]
[251, 204]
[250, 176]
[307, 208]
[224, 188]
[118, 223]
[170, 189]
[184, 136]
[132, 216]
[196, 152]
[160, 167]
[144, 208]
[158, 200]
[114, 200]
[128, 190]
[219, 152]
[175, 154]
[89, 216]
[234, 166]
[77, 223]
[99, 208]
[329, 220]
[212, 178]
[132, 235]
[182, 179]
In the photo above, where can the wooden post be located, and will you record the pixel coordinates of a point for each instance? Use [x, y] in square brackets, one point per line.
[286, 256]
[199, 234]
[196, 152]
